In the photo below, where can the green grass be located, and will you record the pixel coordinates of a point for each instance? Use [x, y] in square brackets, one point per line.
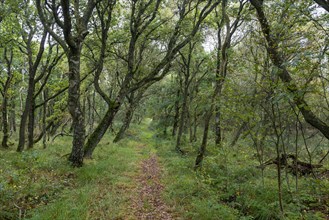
[42, 185]
[229, 186]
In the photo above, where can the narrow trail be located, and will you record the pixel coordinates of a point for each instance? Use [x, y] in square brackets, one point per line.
[147, 203]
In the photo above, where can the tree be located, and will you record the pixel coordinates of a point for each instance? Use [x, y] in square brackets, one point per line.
[133, 101]
[28, 36]
[222, 56]
[221, 72]
[190, 66]
[10, 65]
[8, 57]
[144, 23]
[283, 73]
[74, 27]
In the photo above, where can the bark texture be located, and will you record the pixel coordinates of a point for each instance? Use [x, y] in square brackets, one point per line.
[74, 106]
[5, 95]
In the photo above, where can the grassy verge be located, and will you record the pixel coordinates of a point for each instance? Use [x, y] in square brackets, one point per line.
[229, 186]
[40, 184]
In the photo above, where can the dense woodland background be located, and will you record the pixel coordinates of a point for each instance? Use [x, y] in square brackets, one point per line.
[231, 95]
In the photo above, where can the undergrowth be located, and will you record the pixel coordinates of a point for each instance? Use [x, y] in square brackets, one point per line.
[40, 184]
[230, 186]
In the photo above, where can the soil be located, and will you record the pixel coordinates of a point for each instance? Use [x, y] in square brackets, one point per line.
[148, 203]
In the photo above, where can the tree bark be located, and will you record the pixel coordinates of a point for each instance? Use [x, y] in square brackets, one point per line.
[30, 125]
[74, 106]
[5, 95]
[44, 117]
[133, 103]
[176, 117]
[126, 123]
[5, 137]
[182, 119]
[100, 130]
[12, 116]
[202, 150]
[21, 140]
[218, 80]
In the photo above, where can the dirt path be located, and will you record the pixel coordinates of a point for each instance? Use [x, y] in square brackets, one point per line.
[148, 203]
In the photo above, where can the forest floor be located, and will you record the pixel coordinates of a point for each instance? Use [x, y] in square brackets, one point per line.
[142, 177]
[122, 181]
[148, 202]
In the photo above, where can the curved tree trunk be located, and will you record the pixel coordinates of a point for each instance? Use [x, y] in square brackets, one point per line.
[128, 116]
[25, 115]
[100, 130]
[202, 150]
[277, 59]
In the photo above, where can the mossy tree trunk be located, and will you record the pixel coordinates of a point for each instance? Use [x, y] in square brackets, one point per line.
[74, 106]
[4, 92]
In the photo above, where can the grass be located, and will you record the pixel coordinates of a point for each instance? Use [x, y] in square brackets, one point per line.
[40, 184]
[229, 186]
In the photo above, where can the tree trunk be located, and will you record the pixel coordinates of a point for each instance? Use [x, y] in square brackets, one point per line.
[277, 59]
[30, 126]
[91, 114]
[25, 115]
[195, 125]
[238, 133]
[12, 116]
[126, 123]
[100, 130]
[74, 106]
[44, 117]
[29, 101]
[182, 120]
[202, 150]
[176, 117]
[5, 122]
[190, 127]
[218, 132]
[222, 60]
[218, 82]
[5, 95]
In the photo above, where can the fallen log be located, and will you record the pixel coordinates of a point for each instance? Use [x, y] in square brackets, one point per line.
[292, 164]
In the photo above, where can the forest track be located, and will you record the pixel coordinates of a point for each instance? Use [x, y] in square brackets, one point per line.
[147, 203]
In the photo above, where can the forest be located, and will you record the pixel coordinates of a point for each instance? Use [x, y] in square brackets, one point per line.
[164, 109]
